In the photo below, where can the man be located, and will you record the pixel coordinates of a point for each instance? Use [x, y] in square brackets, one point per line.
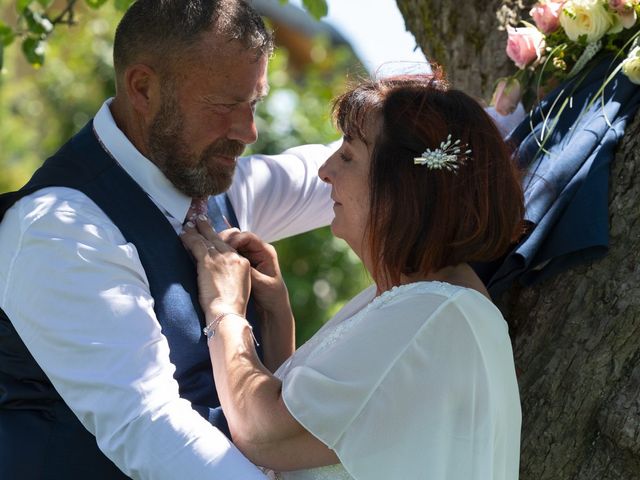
[98, 298]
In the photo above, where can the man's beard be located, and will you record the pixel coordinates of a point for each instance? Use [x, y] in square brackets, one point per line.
[195, 176]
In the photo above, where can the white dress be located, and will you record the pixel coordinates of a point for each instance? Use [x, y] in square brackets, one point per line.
[418, 383]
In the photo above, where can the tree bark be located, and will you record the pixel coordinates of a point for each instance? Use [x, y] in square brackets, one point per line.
[575, 336]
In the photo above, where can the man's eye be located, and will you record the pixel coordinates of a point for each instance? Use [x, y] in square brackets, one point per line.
[223, 108]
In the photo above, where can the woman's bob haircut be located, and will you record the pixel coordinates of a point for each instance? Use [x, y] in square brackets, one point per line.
[423, 219]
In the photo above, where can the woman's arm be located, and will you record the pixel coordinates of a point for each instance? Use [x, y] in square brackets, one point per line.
[260, 424]
[251, 397]
[278, 335]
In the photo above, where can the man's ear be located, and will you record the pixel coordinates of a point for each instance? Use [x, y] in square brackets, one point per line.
[142, 85]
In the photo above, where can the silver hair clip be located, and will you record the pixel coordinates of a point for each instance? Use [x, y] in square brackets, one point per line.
[448, 157]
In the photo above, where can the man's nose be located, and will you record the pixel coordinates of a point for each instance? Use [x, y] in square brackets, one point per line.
[243, 127]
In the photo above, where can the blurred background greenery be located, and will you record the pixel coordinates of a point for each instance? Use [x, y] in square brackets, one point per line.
[43, 105]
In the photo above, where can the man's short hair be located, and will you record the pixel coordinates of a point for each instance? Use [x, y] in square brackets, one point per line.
[163, 31]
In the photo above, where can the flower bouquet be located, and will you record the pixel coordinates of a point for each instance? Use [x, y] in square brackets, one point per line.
[564, 36]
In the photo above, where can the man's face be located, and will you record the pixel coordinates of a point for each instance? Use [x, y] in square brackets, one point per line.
[205, 118]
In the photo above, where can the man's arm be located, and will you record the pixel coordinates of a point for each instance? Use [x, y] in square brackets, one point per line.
[277, 196]
[77, 295]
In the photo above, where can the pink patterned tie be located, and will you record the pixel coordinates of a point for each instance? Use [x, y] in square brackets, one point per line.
[198, 207]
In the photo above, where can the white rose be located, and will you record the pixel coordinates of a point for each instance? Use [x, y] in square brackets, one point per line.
[585, 17]
[631, 65]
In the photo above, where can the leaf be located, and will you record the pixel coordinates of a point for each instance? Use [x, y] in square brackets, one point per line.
[123, 5]
[7, 35]
[45, 3]
[37, 22]
[21, 5]
[33, 49]
[1, 55]
[95, 4]
[317, 8]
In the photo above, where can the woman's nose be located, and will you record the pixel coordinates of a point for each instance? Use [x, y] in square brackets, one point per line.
[324, 171]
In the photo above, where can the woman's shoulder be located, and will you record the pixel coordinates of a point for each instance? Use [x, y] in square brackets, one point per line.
[430, 309]
[434, 294]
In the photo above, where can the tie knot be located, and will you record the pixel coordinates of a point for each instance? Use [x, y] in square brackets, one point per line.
[198, 207]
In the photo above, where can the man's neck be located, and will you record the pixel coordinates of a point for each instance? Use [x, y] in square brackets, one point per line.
[129, 123]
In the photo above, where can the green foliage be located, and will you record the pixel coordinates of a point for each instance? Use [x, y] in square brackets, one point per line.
[317, 8]
[123, 5]
[6, 34]
[33, 49]
[95, 3]
[37, 20]
[40, 109]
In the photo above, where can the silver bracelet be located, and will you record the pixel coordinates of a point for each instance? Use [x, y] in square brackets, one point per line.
[210, 330]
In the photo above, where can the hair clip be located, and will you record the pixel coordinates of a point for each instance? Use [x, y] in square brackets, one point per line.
[448, 157]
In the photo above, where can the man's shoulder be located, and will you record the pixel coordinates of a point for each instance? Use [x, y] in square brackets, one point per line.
[54, 205]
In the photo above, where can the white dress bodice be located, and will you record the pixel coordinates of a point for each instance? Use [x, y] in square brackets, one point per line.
[418, 382]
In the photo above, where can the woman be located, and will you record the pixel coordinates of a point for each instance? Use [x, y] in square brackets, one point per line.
[414, 377]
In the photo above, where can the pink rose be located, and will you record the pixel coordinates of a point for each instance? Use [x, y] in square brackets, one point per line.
[625, 11]
[506, 96]
[546, 15]
[618, 5]
[628, 18]
[524, 45]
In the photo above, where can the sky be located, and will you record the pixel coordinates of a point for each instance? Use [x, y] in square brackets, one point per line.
[376, 30]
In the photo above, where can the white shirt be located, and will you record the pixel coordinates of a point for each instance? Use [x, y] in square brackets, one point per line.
[79, 298]
[418, 383]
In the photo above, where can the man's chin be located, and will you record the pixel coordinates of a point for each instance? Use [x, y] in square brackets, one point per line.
[220, 179]
[215, 187]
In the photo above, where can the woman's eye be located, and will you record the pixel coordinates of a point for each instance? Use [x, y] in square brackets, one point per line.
[345, 157]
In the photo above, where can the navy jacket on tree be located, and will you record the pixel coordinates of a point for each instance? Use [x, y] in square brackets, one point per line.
[567, 183]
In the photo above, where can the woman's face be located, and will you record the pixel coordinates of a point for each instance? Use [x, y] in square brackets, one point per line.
[347, 170]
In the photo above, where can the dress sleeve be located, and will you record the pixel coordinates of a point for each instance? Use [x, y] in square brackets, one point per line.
[403, 394]
[278, 196]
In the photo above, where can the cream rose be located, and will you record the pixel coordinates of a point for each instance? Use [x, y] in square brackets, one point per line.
[631, 65]
[586, 17]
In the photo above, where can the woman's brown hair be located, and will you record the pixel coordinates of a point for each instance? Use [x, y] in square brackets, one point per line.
[422, 220]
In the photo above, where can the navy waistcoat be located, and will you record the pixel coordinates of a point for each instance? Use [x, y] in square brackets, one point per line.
[40, 438]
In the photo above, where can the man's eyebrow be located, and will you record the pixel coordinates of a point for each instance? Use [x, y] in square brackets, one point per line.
[214, 99]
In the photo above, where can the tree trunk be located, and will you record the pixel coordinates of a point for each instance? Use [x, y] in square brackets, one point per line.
[576, 335]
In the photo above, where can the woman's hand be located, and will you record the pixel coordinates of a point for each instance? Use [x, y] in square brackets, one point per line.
[224, 278]
[267, 284]
[270, 295]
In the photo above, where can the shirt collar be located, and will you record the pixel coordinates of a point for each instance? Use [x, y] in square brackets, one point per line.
[143, 171]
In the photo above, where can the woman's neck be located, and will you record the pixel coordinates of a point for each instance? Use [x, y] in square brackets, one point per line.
[461, 275]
